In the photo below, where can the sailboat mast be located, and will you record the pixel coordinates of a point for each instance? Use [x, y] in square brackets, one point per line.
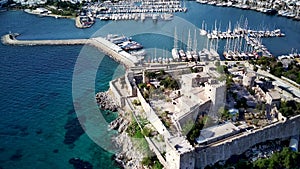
[189, 42]
[175, 39]
[195, 41]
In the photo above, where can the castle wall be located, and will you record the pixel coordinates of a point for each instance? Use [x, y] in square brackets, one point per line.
[238, 145]
[191, 116]
[152, 117]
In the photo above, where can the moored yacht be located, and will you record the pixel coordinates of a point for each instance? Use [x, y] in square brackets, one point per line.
[203, 32]
[182, 55]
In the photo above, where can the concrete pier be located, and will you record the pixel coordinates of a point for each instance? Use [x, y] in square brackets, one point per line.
[102, 44]
[10, 39]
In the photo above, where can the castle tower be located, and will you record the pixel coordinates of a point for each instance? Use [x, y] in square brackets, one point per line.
[216, 92]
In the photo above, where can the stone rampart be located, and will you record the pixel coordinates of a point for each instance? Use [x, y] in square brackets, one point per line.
[152, 117]
[239, 144]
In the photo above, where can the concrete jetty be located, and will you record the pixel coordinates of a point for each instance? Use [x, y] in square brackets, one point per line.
[100, 43]
[10, 39]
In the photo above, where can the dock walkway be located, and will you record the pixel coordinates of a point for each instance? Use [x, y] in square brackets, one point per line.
[99, 43]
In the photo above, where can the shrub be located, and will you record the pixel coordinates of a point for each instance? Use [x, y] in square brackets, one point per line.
[136, 102]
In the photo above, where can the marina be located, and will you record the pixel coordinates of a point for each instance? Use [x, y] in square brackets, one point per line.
[288, 9]
[123, 10]
[208, 53]
[241, 43]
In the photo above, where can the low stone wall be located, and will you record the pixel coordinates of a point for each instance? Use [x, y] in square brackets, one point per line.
[152, 117]
[239, 144]
[153, 148]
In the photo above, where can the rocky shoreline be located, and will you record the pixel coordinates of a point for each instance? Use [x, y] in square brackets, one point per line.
[128, 157]
[106, 102]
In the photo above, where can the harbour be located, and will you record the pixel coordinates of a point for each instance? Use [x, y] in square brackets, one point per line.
[48, 59]
[288, 9]
[124, 10]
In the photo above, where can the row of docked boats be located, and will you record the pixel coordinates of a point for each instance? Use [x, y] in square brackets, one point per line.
[129, 10]
[289, 9]
[191, 53]
[142, 7]
[188, 56]
[136, 16]
[238, 32]
[242, 36]
[253, 49]
[127, 44]
[286, 13]
[235, 55]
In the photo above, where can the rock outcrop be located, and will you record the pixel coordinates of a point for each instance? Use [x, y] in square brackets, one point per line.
[120, 124]
[129, 156]
[106, 102]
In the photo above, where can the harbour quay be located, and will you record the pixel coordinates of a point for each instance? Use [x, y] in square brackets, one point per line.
[100, 43]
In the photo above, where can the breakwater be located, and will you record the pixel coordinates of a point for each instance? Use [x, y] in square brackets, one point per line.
[100, 43]
[10, 39]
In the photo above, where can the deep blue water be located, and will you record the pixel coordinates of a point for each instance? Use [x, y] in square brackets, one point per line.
[38, 102]
[36, 97]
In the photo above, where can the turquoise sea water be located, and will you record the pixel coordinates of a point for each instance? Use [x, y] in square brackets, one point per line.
[37, 108]
[36, 98]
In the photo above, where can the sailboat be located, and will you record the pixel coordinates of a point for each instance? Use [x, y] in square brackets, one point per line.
[175, 54]
[155, 59]
[214, 33]
[189, 47]
[203, 32]
[194, 52]
[182, 55]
